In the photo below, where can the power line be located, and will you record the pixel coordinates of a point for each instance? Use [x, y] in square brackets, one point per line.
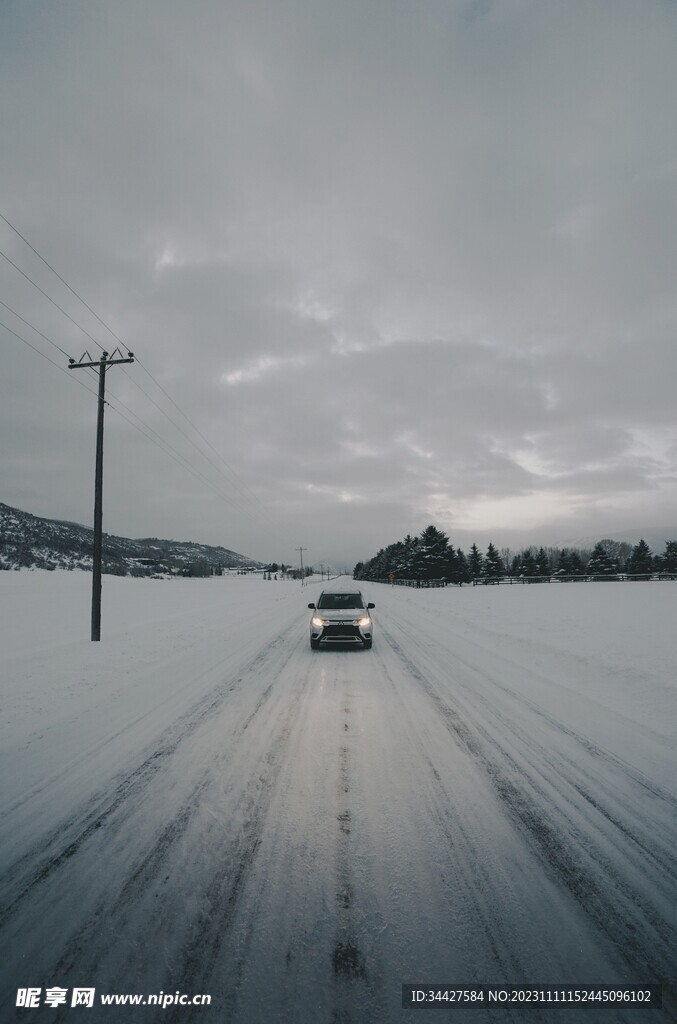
[56, 273]
[169, 448]
[247, 494]
[234, 475]
[256, 507]
[37, 350]
[165, 447]
[17, 315]
[145, 429]
[50, 299]
[253, 504]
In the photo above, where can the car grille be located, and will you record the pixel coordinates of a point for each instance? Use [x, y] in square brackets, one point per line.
[340, 633]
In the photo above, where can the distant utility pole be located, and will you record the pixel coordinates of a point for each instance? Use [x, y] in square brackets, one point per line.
[102, 364]
[300, 551]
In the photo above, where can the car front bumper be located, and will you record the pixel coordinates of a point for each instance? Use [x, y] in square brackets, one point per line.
[340, 633]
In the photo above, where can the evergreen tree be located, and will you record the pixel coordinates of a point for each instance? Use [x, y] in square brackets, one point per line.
[451, 568]
[432, 553]
[618, 551]
[668, 560]
[462, 568]
[399, 560]
[407, 556]
[493, 566]
[377, 565]
[564, 563]
[527, 563]
[569, 563]
[641, 560]
[475, 562]
[542, 563]
[601, 563]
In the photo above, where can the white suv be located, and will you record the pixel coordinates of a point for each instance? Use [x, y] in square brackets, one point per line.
[340, 617]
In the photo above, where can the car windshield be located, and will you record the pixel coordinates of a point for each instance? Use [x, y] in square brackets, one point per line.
[340, 601]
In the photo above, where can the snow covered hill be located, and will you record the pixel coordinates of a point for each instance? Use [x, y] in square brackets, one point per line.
[27, 541]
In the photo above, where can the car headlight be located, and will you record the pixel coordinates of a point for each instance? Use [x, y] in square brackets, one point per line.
[366, 621]
[317, 621]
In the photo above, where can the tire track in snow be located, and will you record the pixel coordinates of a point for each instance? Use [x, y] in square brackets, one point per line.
[211, 929]
[650, 852]
[650, 847]
[148, 871]
[469, 876]
[633, 773]
[22, 878]
[87, 949]
[643, 940]
[85, 755]
[348, 965]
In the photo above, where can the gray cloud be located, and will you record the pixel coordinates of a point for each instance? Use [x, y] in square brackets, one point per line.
[394, 261]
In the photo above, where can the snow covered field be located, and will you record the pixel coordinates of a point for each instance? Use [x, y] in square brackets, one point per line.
[201, 804]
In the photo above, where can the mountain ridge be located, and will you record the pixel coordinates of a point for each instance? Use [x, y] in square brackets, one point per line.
[36, 542]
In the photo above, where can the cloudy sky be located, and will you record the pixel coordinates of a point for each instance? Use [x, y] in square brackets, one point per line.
[384, 263]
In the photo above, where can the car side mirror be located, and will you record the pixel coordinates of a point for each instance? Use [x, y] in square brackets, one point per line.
[371, 605]
[311, 605]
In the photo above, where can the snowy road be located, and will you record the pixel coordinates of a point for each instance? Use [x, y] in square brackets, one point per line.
[201, 804]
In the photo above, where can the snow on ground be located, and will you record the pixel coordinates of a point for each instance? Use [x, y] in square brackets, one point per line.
[200, 803]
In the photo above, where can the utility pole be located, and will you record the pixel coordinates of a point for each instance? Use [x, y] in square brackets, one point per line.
[300, 551]
[102, 364]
